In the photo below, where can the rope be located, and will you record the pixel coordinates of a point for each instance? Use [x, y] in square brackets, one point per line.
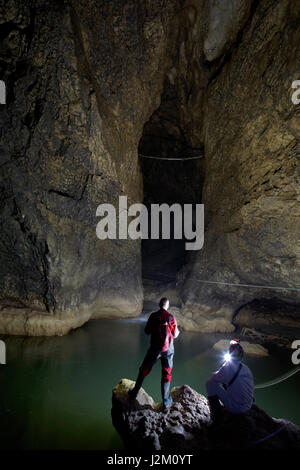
[279, 379]
[269, 435]
[249, 285]
[234, 284]
[170, 158]
[269, 384]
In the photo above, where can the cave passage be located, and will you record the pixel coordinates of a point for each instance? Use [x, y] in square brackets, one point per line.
[168, 181]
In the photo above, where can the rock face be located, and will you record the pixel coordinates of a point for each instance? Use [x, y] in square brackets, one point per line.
[249, 348]
[226, 19]
[251, 134]
[269, 322]
[236, 105]
[82, 79]
[88, 85]
[186, 425]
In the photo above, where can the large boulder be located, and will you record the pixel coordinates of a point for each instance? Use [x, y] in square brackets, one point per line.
[186, 424]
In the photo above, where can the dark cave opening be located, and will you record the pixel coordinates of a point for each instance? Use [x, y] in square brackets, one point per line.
[167, 180]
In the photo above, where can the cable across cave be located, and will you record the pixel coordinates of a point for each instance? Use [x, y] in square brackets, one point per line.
[171, 158]
[236, 284]
[249, 285]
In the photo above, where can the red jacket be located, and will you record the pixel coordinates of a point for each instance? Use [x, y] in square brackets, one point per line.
[153, 325]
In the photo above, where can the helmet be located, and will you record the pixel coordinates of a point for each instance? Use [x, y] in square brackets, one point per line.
[235, 349]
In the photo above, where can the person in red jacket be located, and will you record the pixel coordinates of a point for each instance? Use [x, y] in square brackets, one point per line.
[162, 327]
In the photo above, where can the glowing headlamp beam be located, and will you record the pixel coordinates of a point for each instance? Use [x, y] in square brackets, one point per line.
[227, 357]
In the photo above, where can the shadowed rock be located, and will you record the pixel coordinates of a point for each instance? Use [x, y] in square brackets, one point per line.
[249, 348]
[186, 424]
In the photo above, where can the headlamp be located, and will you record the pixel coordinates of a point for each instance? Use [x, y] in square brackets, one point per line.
[227, 357]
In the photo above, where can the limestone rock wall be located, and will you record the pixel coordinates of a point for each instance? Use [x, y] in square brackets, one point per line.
[82, 78]
[251, 191]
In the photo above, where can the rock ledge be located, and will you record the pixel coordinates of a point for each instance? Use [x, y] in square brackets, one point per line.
[186, 425]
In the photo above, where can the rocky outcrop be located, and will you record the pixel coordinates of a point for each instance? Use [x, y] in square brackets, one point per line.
[226, 19]
[186, 425]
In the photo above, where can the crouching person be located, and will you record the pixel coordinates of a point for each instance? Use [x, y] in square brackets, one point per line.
[232, 384]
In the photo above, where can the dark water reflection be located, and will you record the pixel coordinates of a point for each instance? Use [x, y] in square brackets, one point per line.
[55, 393]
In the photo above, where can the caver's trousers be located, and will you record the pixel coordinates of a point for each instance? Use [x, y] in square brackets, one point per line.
[151, 358]
[166, 359]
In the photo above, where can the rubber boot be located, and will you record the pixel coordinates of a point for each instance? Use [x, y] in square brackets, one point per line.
[165, 389]
[215, 408]
[132, 393]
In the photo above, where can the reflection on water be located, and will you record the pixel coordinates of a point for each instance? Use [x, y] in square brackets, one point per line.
[55, 392]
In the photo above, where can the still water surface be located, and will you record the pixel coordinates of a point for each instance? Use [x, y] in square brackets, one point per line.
[55, 393]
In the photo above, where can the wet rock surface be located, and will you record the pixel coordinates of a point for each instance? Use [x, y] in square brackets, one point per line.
[186, 424]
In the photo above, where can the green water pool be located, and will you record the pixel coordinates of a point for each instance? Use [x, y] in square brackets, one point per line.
[55, 393]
